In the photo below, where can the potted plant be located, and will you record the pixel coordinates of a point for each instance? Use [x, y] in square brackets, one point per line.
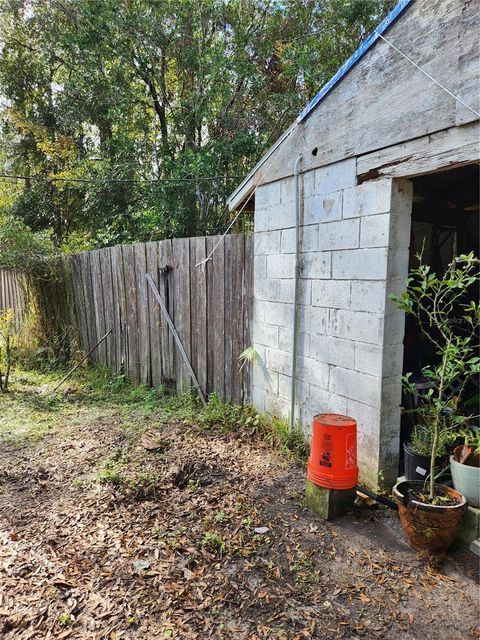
[430, 513]
[465, 467]
[417, 449]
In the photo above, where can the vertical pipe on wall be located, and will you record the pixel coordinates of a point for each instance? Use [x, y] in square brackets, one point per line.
[296, 173]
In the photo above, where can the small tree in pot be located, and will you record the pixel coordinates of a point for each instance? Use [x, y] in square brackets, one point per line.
[450, 321]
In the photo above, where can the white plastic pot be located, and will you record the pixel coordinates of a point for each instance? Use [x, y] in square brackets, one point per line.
[466, 480]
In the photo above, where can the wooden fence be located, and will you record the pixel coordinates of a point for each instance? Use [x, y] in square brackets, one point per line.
[209, 305]
[12, 295]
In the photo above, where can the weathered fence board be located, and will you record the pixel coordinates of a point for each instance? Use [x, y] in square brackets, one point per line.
[154, 320]
[12, 295]
[209, 306]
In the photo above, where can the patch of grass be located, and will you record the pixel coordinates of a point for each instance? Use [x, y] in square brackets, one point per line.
[32, 408]
[214, 543]
[111, 473]
[64, 619]
[230, 417]
[304, 570]
[221, 517]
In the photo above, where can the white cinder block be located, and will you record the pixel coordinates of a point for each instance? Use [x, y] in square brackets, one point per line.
[314, 372]
[331, 293]
[308, 183]
[287, 190]
[265, 334]
[261, 352]
[322, 401]
[279, 361]
[258, 398]
[393, 359]
[285, 389]
[259, 267]
[308, 239]
[277, 313]
[394, 327]
[314, 319]
[281, 266]
[356, 325]
[369, 358]
[375, 230]
[334, 177]
[402, 198]
[323, 208]
[317, 265]
[343, 234]
[360, 264]
[368, 296]
[267, 242]
[274, 290]
[400, 225]
[284, 385]
[391, 392]
[260, 219]
[356, 386]
[367, 417]
[285, 338]
[388, 458]
[281, 216]
[275, 405]
[264, 379]
[332, 350]
[368, 199]
[398, 264]
[267, 195]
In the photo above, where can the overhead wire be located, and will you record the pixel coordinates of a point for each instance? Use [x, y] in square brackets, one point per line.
[404, 55]
[273, 157]
[425, 73]
[222, 238]
[115, 180]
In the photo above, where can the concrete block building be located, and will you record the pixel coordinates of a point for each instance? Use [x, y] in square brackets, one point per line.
[386, 161]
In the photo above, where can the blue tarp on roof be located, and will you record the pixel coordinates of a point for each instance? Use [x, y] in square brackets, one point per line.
[365, 46]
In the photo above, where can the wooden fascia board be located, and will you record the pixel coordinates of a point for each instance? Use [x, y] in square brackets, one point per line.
[438, 151]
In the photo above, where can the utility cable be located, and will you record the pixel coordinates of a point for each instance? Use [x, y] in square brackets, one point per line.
[425, 73]
[222, 238]
[116, 180]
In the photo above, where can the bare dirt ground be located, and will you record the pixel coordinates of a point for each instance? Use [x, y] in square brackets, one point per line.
[101, 538]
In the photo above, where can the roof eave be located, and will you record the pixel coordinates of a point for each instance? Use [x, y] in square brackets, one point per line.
[248, 185]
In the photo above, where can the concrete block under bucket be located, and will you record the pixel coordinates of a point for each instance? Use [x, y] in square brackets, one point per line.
[328, 503]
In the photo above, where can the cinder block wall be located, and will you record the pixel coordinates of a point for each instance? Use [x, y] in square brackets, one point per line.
[355, 252]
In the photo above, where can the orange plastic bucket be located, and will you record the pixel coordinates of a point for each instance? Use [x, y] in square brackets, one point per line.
[333, 452]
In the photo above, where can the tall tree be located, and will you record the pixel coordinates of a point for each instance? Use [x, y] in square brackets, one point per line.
[158, 105]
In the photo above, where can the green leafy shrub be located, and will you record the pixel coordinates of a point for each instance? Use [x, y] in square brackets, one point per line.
[432, 300]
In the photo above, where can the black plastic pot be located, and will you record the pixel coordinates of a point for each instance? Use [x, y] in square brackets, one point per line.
[417, 467]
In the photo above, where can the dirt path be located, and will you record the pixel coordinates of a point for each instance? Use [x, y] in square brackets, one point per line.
[100, 538]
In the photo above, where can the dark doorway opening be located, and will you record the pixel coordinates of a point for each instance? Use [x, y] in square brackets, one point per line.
[445, 224]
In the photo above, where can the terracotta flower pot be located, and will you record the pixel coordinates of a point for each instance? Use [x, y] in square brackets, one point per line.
[429, 527]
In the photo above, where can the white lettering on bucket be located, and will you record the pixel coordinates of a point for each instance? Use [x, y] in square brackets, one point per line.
[421, 471]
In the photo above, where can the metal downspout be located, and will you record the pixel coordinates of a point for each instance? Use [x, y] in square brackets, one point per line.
[296, 290]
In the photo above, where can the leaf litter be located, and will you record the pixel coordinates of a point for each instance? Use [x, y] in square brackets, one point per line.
[113, 532]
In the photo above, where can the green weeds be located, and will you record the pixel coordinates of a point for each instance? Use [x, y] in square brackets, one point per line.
[32, 409]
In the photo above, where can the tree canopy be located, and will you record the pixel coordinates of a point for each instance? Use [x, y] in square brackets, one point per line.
[134, 119]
